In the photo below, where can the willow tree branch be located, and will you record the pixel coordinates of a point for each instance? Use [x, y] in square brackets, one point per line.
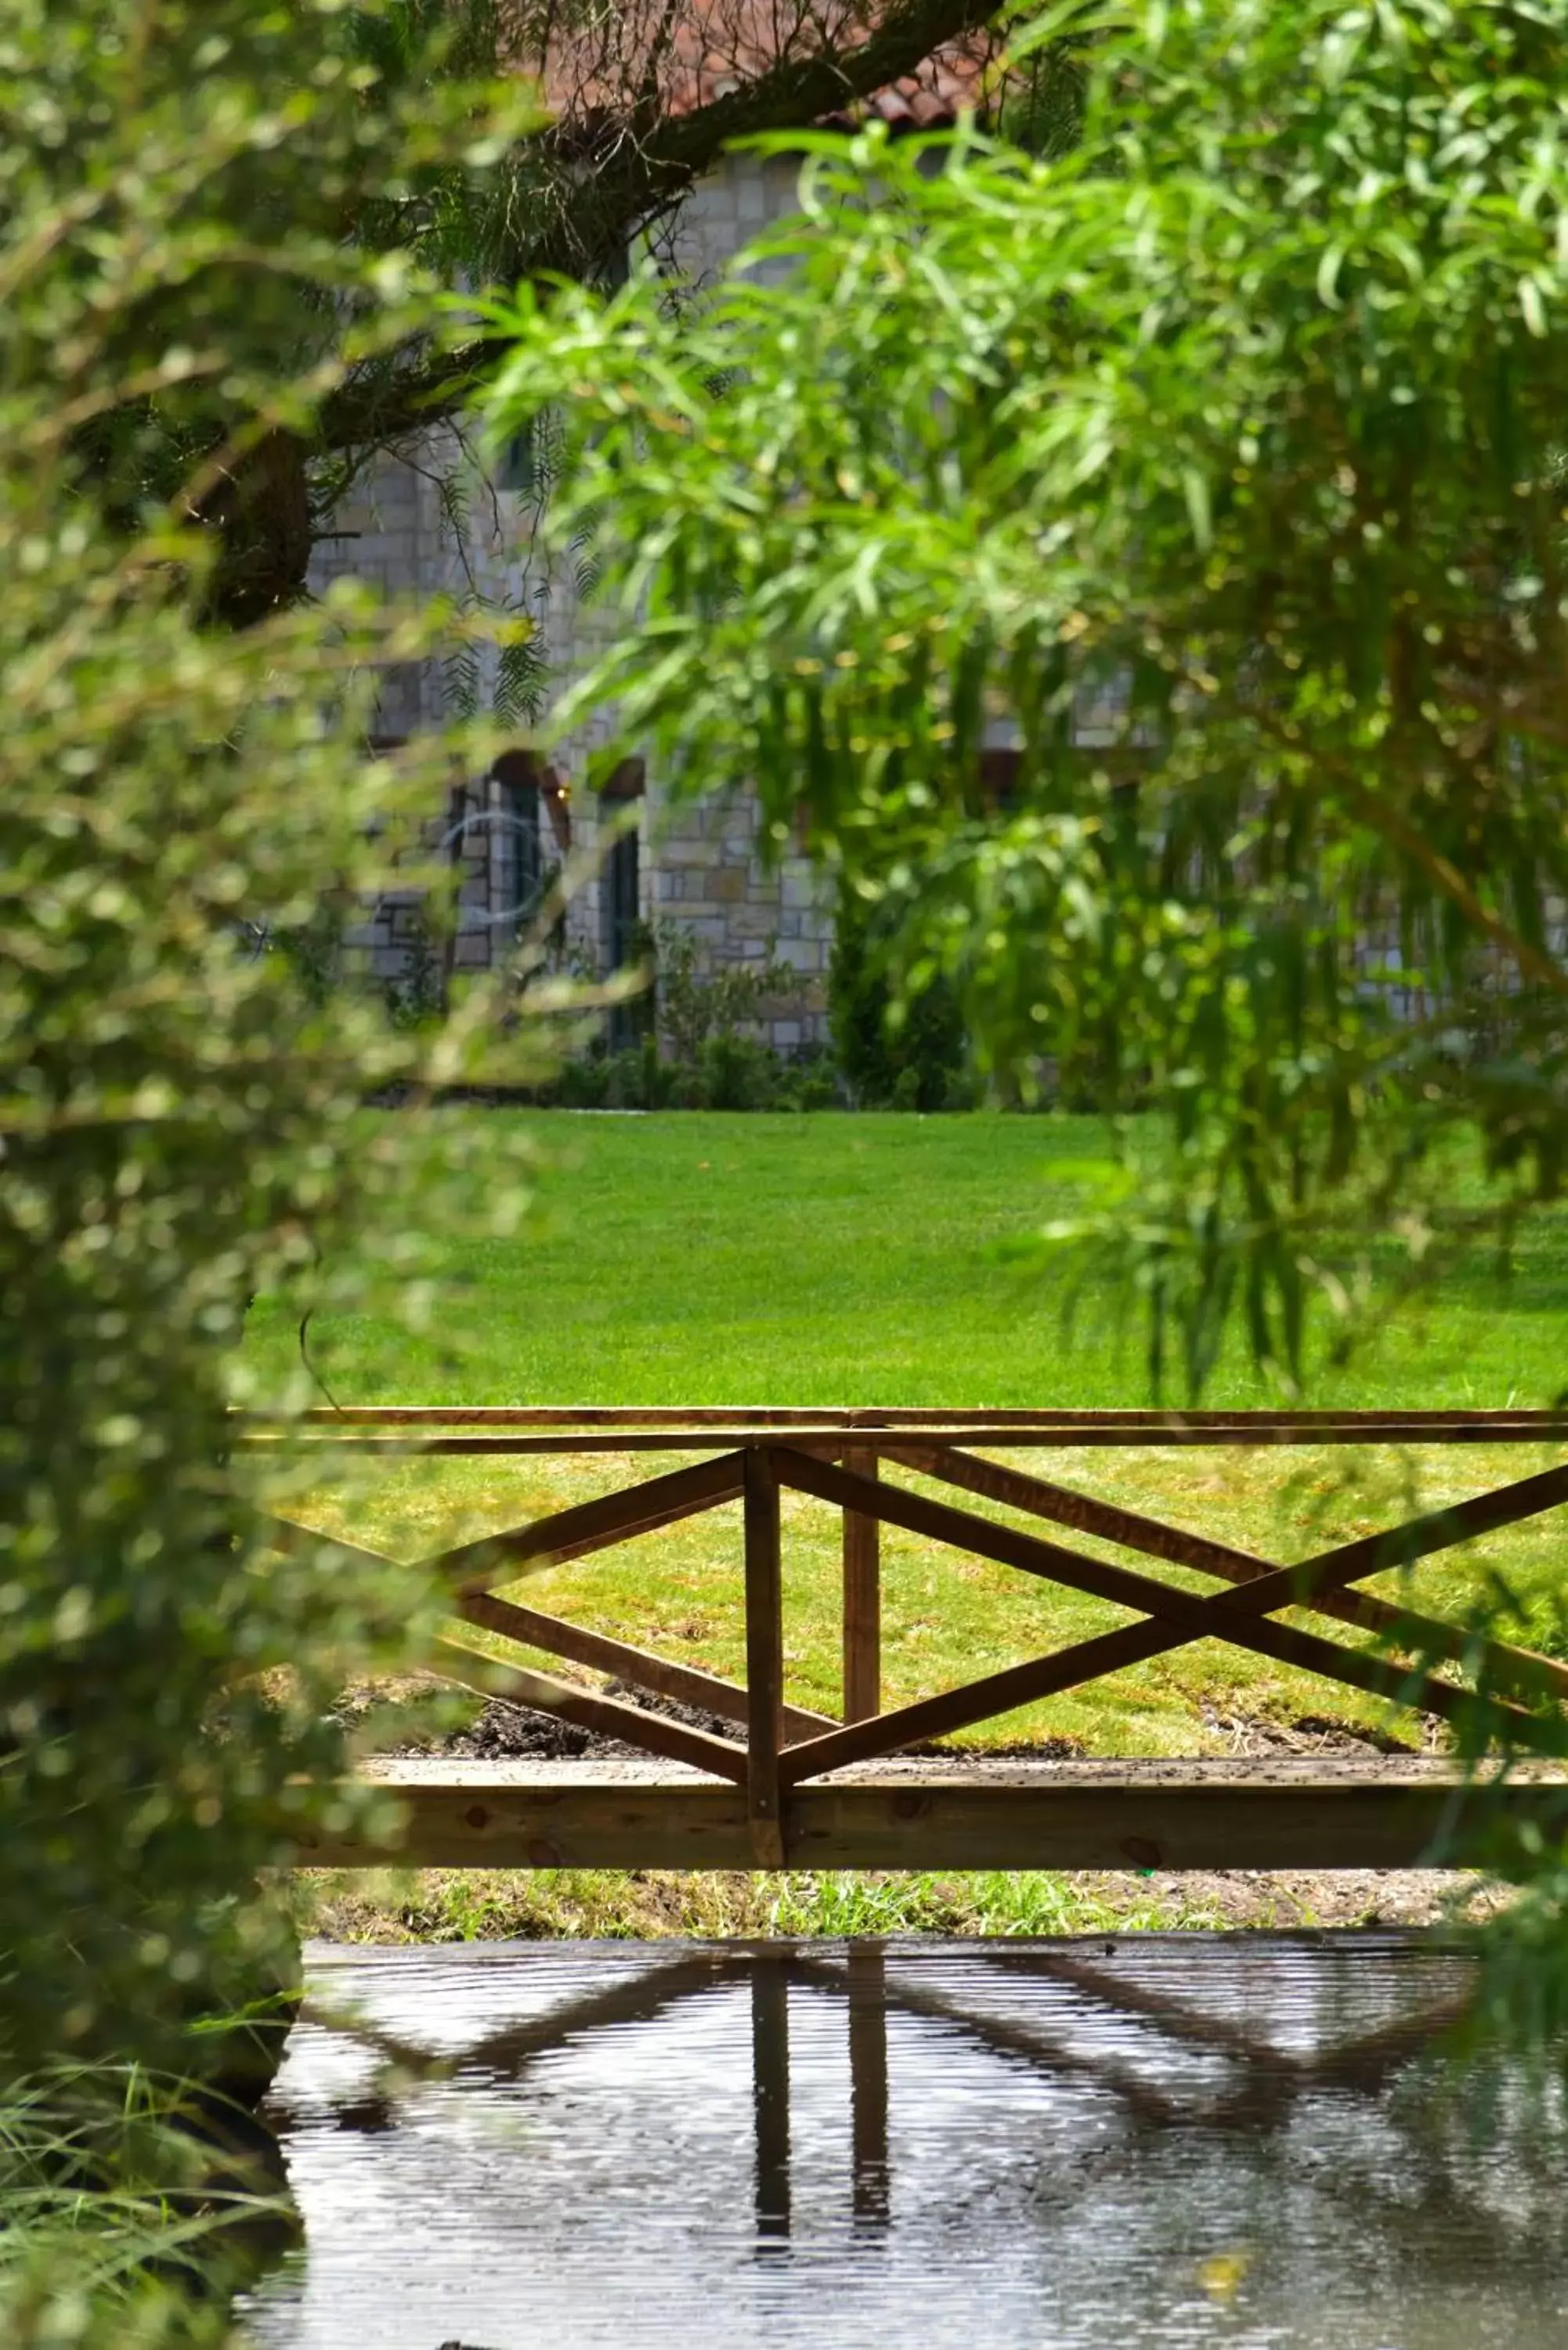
[1400, 833]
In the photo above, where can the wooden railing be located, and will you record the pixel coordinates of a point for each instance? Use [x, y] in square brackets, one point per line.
[852, 1461]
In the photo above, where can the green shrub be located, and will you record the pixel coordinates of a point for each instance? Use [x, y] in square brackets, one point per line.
[811, 1082]
[657, 1077]
[625, 1079]
[583, 1083]
[731, 1073]
[178, 1080]
[737, 1072]
[698, 1000]
[898, 1050]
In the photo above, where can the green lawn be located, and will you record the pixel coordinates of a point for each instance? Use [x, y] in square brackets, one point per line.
[708, 1259]
[695, 1258]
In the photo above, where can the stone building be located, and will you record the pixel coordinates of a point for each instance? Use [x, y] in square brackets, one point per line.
[698, 867]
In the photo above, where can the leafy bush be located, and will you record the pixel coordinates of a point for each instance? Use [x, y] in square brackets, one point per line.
[897, 1050]
[177, 1092]
[698, 1000]
[700, 1011]
[735, 1072]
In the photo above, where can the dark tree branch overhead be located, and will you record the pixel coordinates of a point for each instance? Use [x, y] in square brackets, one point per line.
[626, 144]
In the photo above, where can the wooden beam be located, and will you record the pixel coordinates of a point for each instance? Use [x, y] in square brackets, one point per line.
[1425, 1420]
[823, 1433]
[1508, 1667]
[519, 1685]
[1436, 1530]
[1214, 1816]
[1084, 1512]
[287, 1534]
[631, 1416]
[978, 1701]
[593, 1526]
[1179, 1618]
[764, 1659]
[1003, 1692]
[686, 1683]
[862, 1601]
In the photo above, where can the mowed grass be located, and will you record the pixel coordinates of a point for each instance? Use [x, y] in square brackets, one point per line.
[884, 1260]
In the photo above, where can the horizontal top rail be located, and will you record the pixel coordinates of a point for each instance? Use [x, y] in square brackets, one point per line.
[875, 1416]
[503, 1429]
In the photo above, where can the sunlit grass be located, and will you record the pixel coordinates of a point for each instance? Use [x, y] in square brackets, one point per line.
[699, 1258]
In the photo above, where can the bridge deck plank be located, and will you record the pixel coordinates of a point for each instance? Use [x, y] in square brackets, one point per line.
[1388, 1813]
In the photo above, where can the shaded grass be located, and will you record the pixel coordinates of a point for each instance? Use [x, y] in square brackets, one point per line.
[121, 2227]
[461, 1906]
[476, 1905]
[701, 1259]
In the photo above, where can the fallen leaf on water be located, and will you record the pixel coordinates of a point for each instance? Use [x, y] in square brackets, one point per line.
[1222, 2275]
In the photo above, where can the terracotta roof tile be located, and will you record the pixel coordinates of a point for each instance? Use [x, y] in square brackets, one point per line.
[718, 46]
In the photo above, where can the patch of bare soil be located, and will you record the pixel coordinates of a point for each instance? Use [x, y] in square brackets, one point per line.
[505, 1732]
[1315, 1733]
[1284, 1898]
[502, 1731]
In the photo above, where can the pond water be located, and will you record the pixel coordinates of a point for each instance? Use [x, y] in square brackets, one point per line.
[1173, 2140]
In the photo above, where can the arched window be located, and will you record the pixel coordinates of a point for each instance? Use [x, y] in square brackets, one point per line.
[491, 841]
[620, 880]
[516, 856]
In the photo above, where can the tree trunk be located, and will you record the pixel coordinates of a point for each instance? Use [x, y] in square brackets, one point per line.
[262, 511]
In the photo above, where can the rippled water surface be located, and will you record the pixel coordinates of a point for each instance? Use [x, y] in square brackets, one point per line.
[1177, 2141]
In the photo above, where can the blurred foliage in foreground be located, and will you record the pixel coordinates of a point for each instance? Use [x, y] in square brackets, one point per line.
[117, 2225]
[175, 1105]
[1239, 423]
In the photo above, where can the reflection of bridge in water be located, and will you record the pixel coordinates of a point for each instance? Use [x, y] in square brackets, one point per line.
[1263, 2085]
[1200, 2084]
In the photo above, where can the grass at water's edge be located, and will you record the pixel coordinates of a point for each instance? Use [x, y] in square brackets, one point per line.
[435, 1905]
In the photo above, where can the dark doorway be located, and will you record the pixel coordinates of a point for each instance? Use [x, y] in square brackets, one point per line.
[620, 898]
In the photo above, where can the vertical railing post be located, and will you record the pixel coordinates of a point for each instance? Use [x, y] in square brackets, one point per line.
[764, 1657]
[862, 1601]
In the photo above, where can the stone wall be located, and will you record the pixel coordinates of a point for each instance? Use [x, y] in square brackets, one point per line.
[708, 876]
[700, 866]
[492, 840]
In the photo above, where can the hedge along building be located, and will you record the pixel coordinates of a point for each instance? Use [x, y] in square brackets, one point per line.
[431, 519]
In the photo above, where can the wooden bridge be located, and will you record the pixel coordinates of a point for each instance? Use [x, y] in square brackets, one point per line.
[794, 1787]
